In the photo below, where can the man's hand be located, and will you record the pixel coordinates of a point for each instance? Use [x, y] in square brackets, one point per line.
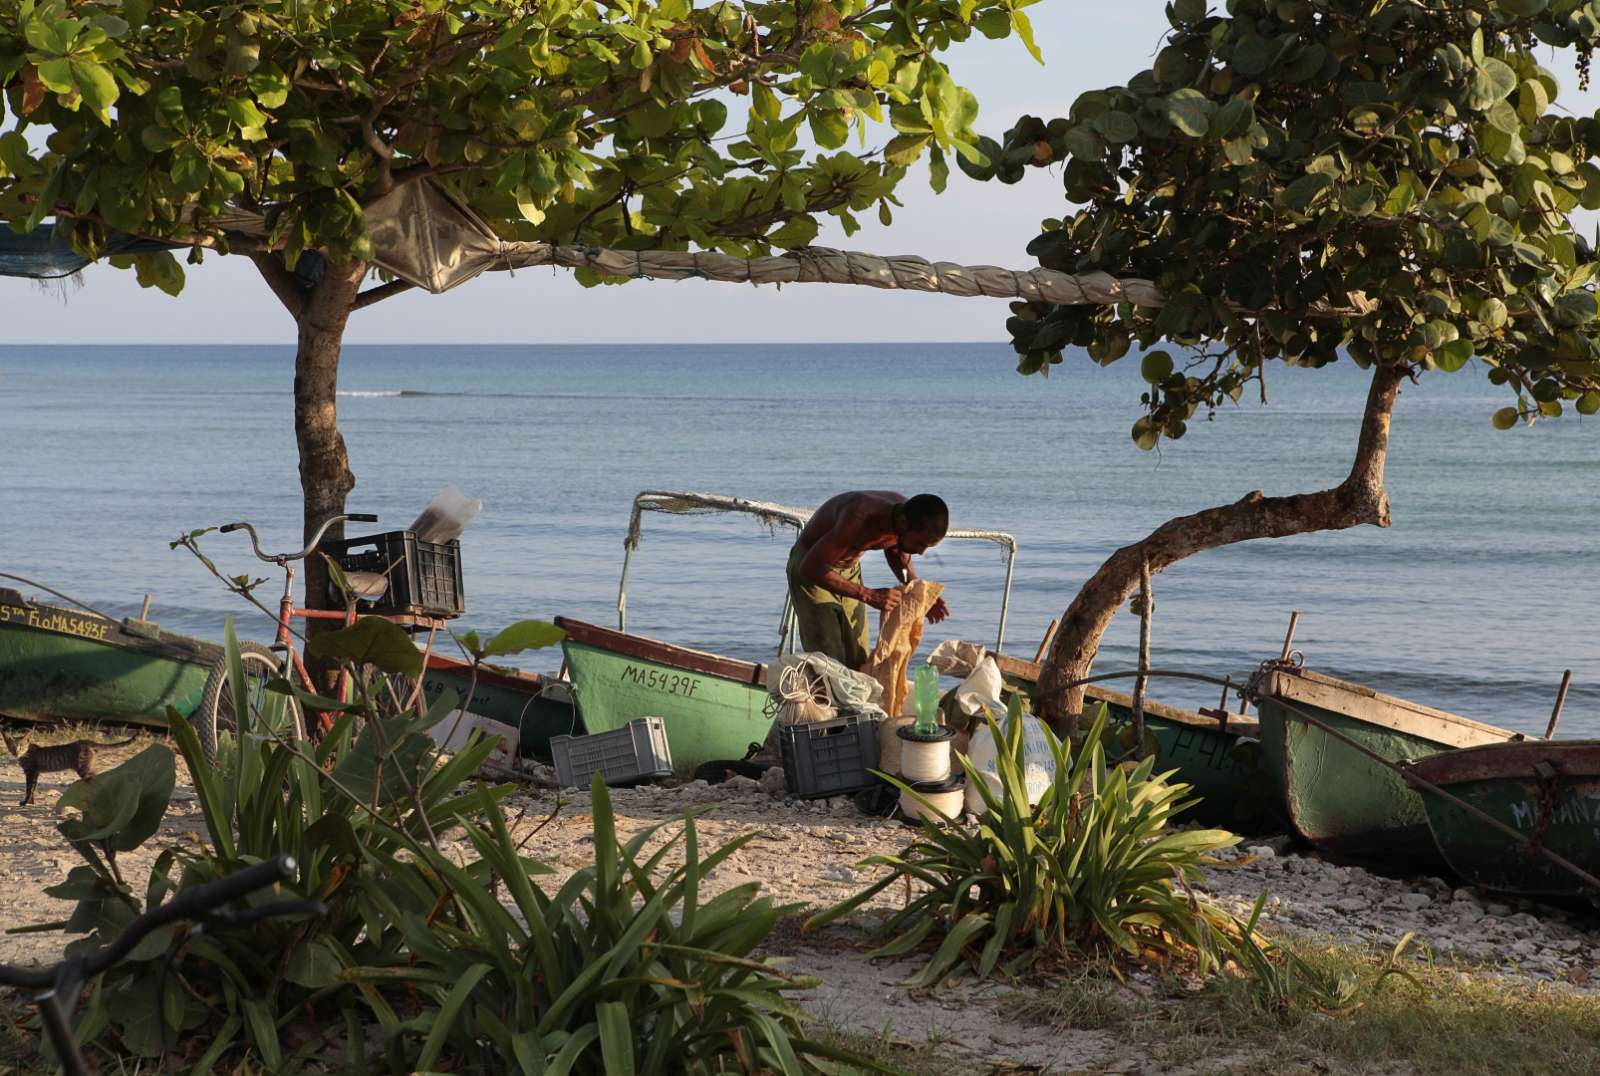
[938, 611]
[884, 599]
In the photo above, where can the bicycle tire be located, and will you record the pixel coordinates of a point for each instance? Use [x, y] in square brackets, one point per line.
[216, 698]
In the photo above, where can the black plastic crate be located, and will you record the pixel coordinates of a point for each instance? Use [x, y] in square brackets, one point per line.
[424, 577]
[829, 758]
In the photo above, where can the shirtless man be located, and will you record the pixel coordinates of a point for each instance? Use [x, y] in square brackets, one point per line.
[825, 566]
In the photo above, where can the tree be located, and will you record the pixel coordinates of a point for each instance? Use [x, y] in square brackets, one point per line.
[597, 122]
[1308, 181]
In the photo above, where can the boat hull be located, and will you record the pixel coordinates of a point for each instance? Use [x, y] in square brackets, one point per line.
[713, 707]
[534, 707]
[59, 664]
[1201, 749]
[1561, 811]
[1334, 795]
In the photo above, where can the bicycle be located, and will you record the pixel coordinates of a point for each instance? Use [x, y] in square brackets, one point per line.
[282, 659]
[62, 983]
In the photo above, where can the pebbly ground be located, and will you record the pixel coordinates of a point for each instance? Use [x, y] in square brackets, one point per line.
[810, 853]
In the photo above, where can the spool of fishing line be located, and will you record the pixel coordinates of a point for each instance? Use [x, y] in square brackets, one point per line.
[927, 760]
[946, 798]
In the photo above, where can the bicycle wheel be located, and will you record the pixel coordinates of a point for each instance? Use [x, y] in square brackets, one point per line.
[216, 698]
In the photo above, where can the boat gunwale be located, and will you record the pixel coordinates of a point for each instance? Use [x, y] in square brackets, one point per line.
[1299, 685]
[1574, 759]
[169, 645]
[734, 670]
[518, 680]
[1236, 725]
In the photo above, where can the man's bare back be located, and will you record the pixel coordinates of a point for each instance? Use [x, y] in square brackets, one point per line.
[851, 524]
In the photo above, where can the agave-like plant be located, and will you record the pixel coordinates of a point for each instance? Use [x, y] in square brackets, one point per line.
[1091, 867]
[627, 967]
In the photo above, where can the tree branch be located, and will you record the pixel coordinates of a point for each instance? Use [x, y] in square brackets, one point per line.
[282, 282]
[380, 293]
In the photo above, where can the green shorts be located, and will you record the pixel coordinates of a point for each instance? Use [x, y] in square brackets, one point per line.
[830, 624]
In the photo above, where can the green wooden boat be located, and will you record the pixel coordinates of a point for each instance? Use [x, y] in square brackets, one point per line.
[1548, 792]
[713, 707]
[535, 706]
[1336, 797]
[1204, 749]
[59, 663]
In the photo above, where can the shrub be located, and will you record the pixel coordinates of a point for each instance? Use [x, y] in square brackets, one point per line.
[1092, 868]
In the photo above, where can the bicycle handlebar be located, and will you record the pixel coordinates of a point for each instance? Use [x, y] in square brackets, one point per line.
[316, 540]
[196, 902]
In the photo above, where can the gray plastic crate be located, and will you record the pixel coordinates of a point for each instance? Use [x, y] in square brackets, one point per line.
[637, 752]
[829, 758]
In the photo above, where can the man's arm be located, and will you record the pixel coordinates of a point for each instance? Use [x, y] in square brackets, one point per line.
[816, 568]
[899, 564]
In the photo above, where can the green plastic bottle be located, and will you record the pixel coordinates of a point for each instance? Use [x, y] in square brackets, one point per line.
[925, 696]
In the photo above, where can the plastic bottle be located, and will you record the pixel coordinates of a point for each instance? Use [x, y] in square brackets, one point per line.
[925, 694]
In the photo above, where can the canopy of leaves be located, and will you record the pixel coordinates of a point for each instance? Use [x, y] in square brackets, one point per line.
[1397, 162]
[632, 123]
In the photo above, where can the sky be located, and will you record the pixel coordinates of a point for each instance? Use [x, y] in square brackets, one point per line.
[1086, 45]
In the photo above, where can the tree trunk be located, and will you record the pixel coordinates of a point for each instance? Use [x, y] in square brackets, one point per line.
[1359, 499]
[325, 476]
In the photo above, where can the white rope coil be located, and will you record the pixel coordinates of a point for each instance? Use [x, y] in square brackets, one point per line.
[948, 805]
[921, 761]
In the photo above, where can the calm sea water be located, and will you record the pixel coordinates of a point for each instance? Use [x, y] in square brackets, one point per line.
[1477, 598]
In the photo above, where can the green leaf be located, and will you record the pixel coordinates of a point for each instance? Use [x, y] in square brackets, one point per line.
[1452, 356]
[829, 128]
[1589, 403]
[98, 86]
[1189, 111]
[1116, 127]
[1302, 192]
[1523, 8]
[314, 964]
[1492, 313]
[1576, 308]
[521, 636]
[616, 1037]
[270, 85]
[1505, 418]
[371, 641]
[1188, 12]
[445, 1019]
[1156, 367]
[1024, 29]
[1488, 82]
[159, 270]
[56, 75]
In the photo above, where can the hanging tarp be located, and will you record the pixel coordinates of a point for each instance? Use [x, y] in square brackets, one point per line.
[46, 253]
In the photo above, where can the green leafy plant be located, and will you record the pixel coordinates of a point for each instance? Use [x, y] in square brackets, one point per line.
[344, 808]
[426, 964]
[1091, 869]
[1282, 981]
[626, 967]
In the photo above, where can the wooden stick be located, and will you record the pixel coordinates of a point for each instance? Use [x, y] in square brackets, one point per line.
[1561, 700]
[1288, 640]
[144, 612]
[1049, 637]
[1145, 604]
[1227, 686]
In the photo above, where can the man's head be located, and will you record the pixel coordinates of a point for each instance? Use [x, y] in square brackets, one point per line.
[920, 523]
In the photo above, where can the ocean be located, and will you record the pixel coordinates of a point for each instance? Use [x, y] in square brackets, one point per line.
[1475, 600]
